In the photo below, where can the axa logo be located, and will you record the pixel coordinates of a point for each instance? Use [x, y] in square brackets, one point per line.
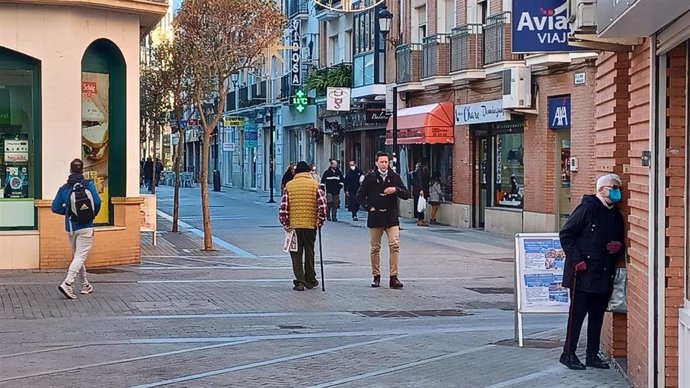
[560, 117]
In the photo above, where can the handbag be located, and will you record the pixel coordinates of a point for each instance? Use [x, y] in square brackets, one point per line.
[618, 302]
[421, 205]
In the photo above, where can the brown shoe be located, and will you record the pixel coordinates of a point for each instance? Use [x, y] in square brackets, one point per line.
[423, 223]
[377, 281]
[395, 283]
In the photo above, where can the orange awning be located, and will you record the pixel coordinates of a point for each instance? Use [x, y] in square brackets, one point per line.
[425, 124]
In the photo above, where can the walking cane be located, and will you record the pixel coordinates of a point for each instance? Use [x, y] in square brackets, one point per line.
[323, 281]
[569, 332]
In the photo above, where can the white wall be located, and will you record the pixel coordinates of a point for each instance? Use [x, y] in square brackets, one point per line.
[58, 37]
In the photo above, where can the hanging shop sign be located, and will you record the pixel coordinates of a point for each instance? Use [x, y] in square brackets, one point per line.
[296, 54]
[481, 112]
[233, 121]
[540, 26]
[251, 135]
[338, 99]
[376, 114]
[559, 112]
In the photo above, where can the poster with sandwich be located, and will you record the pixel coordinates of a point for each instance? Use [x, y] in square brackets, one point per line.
[94, 135]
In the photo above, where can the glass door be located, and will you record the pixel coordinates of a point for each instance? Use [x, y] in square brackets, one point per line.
[563, 177]
[483, 168]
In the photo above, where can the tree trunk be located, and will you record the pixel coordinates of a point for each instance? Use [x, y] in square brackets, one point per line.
[206, 213]
[178, 169]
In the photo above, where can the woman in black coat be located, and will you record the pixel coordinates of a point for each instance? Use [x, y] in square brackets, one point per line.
[592, 240]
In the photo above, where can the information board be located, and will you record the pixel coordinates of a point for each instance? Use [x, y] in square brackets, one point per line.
[539, 264]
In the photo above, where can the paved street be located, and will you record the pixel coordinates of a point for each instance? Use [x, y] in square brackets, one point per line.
[186, 318]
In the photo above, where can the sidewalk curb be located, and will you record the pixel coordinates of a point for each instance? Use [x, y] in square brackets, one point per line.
[218, 241]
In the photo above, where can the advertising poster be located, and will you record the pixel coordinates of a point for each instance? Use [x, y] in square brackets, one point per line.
[17, 151]
[540, 271]
[16, 183]
[147, 213]
[95, 136]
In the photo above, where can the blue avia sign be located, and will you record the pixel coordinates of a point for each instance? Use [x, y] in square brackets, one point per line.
[540, 26]
[559, 112]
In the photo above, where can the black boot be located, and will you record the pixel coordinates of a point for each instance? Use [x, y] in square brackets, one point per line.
[395, 283]
[594, 361]
[571, 361]
[377, 281]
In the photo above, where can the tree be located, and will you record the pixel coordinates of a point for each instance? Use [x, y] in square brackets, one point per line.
[222, 37]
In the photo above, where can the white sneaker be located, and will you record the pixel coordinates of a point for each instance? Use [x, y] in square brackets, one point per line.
[86, 289]
[67, 290]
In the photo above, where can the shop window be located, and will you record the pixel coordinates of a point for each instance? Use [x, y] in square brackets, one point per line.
[19, 140]
[104, 129]
[509, 164]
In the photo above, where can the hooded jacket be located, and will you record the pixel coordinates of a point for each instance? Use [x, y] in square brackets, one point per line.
[584, 238]
[61, 202]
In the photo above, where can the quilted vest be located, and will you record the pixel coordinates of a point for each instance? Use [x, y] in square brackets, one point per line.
[302, 205]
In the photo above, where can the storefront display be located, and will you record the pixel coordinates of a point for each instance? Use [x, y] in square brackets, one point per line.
[95, 136]
[510, 175]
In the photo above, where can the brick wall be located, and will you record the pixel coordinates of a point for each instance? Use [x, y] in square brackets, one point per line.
[611, 155]
[116, 245]
[675, 206]
[638, 226]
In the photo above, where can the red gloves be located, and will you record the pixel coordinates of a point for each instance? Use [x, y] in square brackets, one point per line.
[614, 247]
[581, 266]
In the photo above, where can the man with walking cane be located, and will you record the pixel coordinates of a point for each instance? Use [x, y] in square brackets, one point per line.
[303, 210]
[592, 240]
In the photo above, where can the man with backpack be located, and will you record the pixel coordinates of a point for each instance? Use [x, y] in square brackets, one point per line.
[79, 202]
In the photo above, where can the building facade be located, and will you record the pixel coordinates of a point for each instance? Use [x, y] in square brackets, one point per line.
[70, 89]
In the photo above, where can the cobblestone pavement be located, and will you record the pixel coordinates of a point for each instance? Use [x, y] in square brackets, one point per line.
[186, 317]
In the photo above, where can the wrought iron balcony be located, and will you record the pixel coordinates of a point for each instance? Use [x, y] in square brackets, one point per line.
[497, 40]
[408, 58]
[435, 55]
[298, 9]
[466, 48]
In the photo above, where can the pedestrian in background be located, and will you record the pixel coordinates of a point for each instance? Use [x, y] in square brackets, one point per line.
[314, 173]
[420, 188]
[435, 195]
[303, 209]
[79, 202]
[352, 182]
[334, 181]
[592, 240]
[148, 173]
[159, 170]
[287, 177]
[379, 193]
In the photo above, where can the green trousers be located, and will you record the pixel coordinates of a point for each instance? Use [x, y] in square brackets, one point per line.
[304, 273]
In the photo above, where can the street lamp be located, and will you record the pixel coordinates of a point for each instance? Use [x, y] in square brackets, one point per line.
[271, 156]
[385, 18]
[210, 109]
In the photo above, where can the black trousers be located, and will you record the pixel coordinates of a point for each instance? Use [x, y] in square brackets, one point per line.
[592, 305]
[304, 274]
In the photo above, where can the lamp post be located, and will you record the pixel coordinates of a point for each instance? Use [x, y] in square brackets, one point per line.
[385, 18]
[271, 156]
[211, 109]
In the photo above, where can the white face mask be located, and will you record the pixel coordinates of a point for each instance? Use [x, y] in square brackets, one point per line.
[353, 168]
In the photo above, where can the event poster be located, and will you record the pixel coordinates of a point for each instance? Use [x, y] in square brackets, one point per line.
[542, 273]
[95, 136]
[147, 212]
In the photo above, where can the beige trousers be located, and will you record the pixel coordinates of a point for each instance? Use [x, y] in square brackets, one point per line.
[393, 234]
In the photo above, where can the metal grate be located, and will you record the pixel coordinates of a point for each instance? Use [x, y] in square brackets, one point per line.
[100, 271]
[504, 259]
[413, 313]
[535, 343]
[450, 231]
[491, 290]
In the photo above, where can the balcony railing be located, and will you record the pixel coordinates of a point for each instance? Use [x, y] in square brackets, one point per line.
[497, 40]
[409, 62]
[435, 55]
[298, 8]
[466, 48]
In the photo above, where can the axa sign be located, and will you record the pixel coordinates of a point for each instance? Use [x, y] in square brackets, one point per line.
[540, 26]
[559, 112]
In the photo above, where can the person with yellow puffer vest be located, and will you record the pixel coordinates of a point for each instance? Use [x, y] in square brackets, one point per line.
[303, 209]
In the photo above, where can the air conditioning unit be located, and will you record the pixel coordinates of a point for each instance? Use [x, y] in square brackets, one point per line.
[582, 15]
[517, 87]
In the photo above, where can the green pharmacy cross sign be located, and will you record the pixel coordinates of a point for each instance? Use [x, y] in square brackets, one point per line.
[300, 101]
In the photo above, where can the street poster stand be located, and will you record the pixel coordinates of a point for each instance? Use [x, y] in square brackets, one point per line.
[539, 264]
[147, 212]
